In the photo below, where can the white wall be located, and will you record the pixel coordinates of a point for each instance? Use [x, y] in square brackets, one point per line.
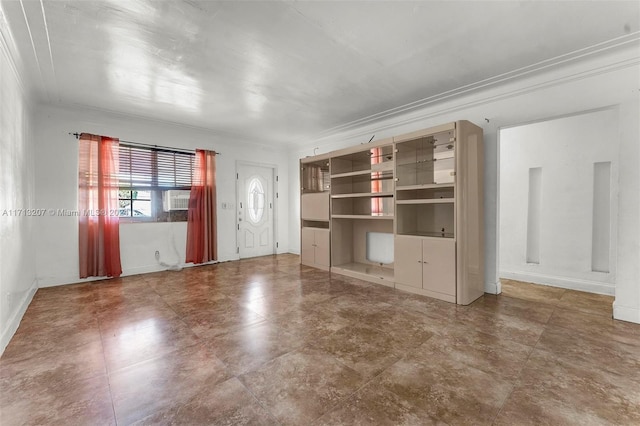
[56, 188]
[565, 149]
[610, 79]
[627, 303]
[17, 248]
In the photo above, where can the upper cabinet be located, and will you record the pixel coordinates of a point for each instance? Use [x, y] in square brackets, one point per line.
[424, 159]
[314, 175]
[425, 182]
[315, 186]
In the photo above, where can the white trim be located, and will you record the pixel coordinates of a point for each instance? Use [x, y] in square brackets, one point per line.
[12, 325]
[513, 86]
[562, 282]
[57, 281]
[527, 71]
[624, 313]
[493, 288]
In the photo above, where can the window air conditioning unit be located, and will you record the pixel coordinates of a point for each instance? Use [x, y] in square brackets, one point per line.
[175, 200]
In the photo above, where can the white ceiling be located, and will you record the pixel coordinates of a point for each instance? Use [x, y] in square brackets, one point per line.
[283, 72]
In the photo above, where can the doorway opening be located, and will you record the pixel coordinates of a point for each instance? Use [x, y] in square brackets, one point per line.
[557, 208]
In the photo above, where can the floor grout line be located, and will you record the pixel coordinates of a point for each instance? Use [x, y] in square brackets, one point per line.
[359, 295]
[104, 359]
[516, 381]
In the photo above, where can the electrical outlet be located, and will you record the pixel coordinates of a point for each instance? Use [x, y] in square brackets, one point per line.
[157, 255]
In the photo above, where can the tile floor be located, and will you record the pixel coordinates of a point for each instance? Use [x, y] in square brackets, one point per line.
[266, 341]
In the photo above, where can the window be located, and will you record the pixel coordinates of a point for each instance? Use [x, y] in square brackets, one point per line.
[255, 198]
[145, 174]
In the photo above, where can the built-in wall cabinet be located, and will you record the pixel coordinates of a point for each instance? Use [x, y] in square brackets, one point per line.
[405, 212]
[314, 212]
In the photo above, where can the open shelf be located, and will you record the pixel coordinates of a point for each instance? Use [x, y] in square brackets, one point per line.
[369, 182]
[375, 168]
[366, 206]
[368, 272]
[315, 224]
[352, 253]
[360, 216]
[430, 234]
[373, 159]
[349, 174]
[425, 186]
[426, 201]
[426, 219]
[364, 195]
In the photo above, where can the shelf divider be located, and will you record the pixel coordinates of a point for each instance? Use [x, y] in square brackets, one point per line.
[364, 195]
[360, 216]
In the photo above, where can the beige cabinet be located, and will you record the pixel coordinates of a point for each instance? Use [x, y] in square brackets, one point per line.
[315, 206]
[362, 212]
[314, 212]
[426, 264]
[408, 261]
[315, 248]
[439, 212]
[405, 211]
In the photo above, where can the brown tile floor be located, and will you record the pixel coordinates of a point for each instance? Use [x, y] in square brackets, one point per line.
[266, 341]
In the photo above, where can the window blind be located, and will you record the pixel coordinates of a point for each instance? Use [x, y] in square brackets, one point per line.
[155, 168]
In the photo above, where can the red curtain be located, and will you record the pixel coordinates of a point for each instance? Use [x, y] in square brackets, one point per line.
[202, 244]
[99, 224]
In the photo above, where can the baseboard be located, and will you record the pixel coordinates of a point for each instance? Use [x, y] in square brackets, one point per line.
[625, 313]
[493, 288]
[294, 252]
[44, 282]
[562, 282]
[14, 322]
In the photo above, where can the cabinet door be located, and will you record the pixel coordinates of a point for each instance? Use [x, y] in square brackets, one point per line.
[322, 247]
[315, 206]
[408, 261]
[439, 265]
[307, 247]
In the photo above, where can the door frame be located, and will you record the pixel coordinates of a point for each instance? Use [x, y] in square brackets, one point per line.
[274, 179]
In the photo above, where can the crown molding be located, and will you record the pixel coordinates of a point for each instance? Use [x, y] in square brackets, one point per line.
[423, 109]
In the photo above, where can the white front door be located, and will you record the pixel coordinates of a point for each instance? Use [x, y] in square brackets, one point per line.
[255, 210]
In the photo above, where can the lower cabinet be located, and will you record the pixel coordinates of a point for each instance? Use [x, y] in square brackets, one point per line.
[314, 249]
[426, 266]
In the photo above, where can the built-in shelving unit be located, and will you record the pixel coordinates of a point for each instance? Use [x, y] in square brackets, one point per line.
[362, 194]
[405, 212]
[315, 180]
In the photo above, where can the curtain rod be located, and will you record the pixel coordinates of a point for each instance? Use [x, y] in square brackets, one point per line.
[77, 135]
